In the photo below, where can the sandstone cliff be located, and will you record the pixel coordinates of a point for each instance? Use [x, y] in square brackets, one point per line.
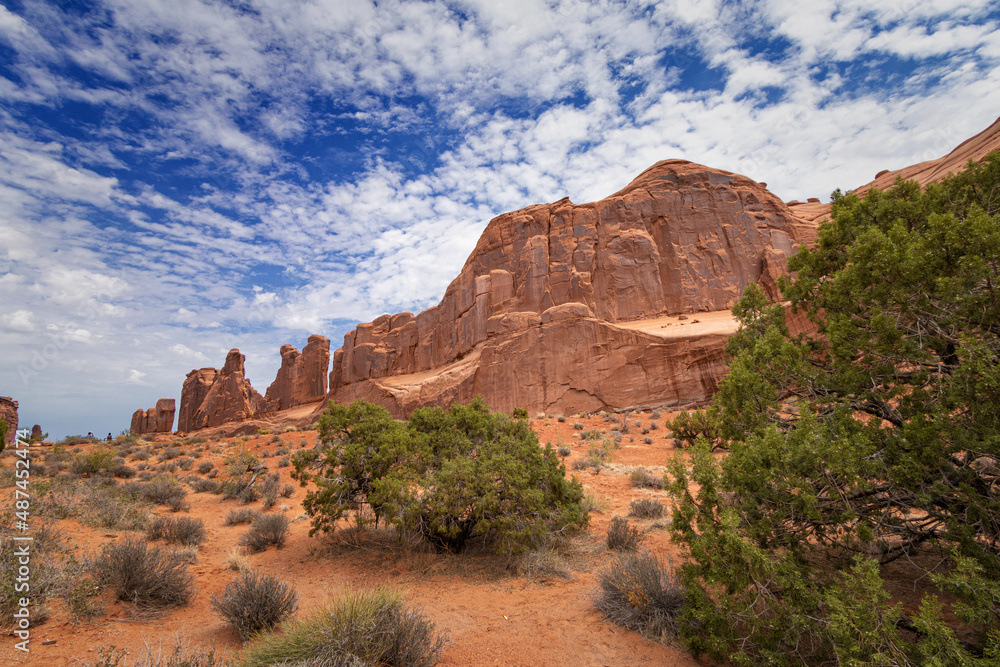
[210, 397]
[8, 410]
[302, 376]
[154, 420]
[544, 312]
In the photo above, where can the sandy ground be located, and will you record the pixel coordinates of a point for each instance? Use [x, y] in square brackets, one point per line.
[491, 615]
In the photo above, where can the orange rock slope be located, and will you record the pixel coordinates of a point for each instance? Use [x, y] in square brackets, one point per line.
[544, 313]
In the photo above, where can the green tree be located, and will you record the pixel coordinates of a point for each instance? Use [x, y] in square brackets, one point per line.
[450, 475]
[872, 443]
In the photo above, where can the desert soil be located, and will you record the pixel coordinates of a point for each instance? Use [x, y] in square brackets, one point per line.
[492, 615]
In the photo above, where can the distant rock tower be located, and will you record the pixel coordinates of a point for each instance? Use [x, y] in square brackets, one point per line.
[155, 420]
[302, 377]
[8, 410]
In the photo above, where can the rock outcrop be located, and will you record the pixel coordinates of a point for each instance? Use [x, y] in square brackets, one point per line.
[8, 410]
[541, 315]
[154, 420]
[212, 397]
[302, 377]
[36, 433]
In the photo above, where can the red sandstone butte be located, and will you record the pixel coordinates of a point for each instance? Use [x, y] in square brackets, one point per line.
[210, 397]
[154, 420]
[302, 376]
[8, 410]
[555, 308]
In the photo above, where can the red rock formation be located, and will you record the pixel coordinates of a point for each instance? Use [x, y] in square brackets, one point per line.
[8, 410]
[537, 317]
[36, 433]
[211, 398]
[302, 376]
[155, 420]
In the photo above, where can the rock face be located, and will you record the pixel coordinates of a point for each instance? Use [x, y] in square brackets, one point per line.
[302, 377]
[36, 433]
[210, 397]
[537, 317]
[8, 410]
[155, 420]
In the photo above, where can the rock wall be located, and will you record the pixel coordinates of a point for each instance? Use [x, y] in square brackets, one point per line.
[8, 410]
[537, 302]
[210, 397]
[302, 377]
[154, 420]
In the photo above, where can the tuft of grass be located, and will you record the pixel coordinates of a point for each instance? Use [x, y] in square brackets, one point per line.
[146, 575]
[180, 530]
[637, 591]
[265, 530]
[623, 537]
[253, 603]
[237, 561]
[363, 627]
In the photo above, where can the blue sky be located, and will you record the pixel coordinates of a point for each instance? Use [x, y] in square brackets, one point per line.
[179, 177]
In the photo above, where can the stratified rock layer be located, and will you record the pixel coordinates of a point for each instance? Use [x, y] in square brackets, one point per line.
[535, 318]
[210, 397]
[154, 420]
[8, 410]
[302, 377]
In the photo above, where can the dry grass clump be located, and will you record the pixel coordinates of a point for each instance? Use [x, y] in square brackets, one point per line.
[366, 628]
[179, 530]
[637, 591]
[160, 489]
[144, 574]
[265, 530]
[202, 485]
[237, 561]
[623, 537]
[253, 603]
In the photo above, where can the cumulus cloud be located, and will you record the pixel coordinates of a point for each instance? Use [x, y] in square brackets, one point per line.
[181, 177]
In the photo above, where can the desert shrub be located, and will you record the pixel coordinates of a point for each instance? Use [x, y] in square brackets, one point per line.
[281, 451]
[123, 471]
[241, 515]
[688, 427]
[648, 440]
[268, 501]
[179, 530]
[869, 442]
[182, 654]
[185, 463]
[144, 574]
[202, 485]
[212, 473]
[578, 426]
[646, 508]
[480, 475]
[519, 413]
[160, 489]
[205, 466]
[242, 471]
[265, 530]
[580, 464]
[621, 536]
[287, 490]
[561, 419]
[564, 451]
[254, 603]
[642, 478]
[592, 435]
[284, 462]
[366, 627]
[170, 453]
[81, 599]
[265, 453]
[141, 455]
[653, 426]
[637, 591]
[43, 576]
[94, 461]
[71, 440]
[592, 504]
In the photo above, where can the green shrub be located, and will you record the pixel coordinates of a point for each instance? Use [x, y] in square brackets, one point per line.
[96, 460]
[144, 574]
[621, 536]
[368, 627]
[252, 603]
[638, 592]
[869, 442]
[480, 475]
